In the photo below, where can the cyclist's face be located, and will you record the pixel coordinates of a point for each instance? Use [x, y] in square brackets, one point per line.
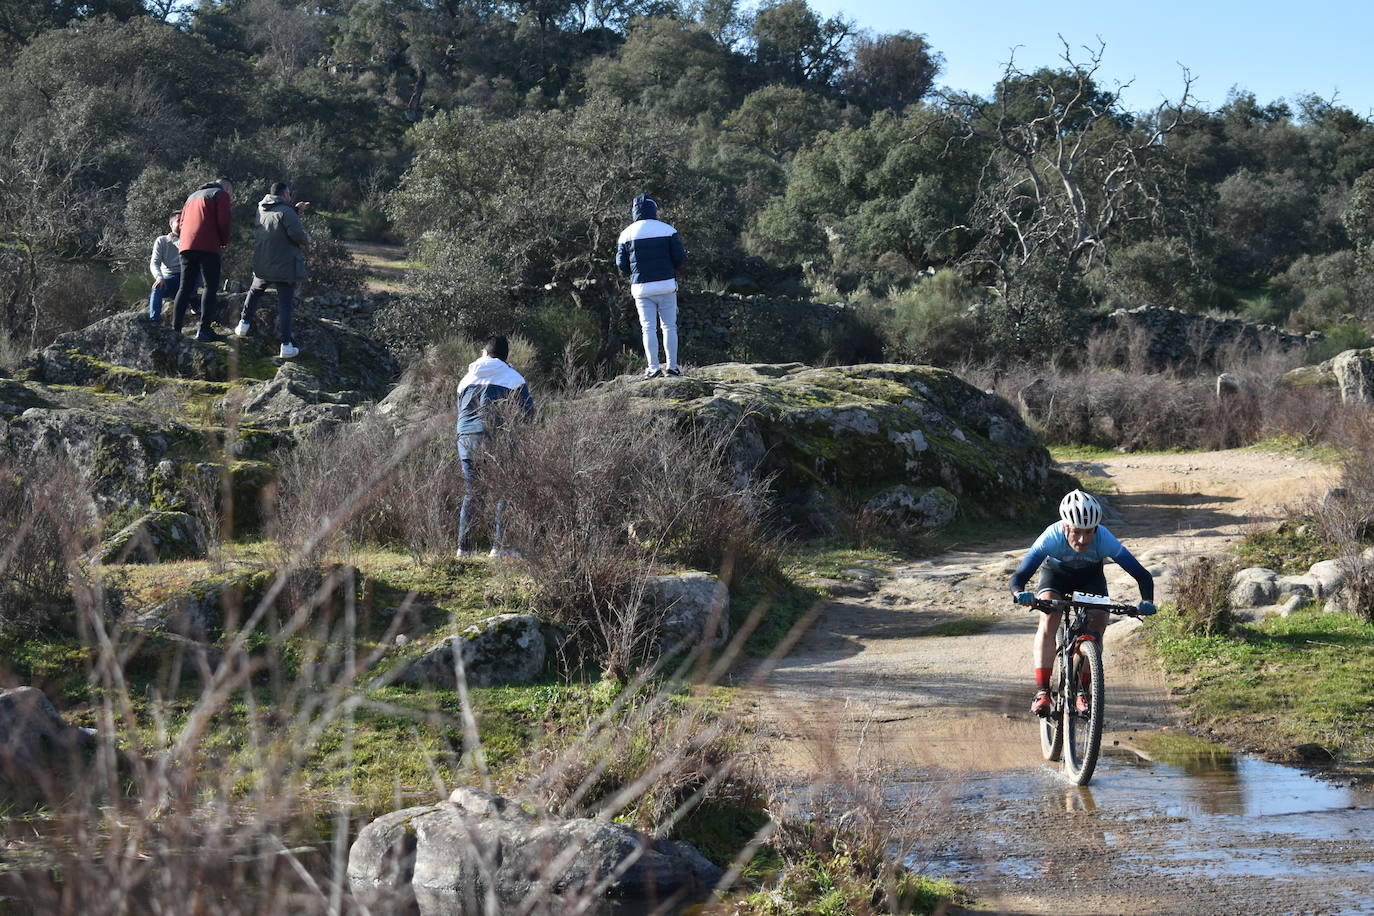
[1080, 539]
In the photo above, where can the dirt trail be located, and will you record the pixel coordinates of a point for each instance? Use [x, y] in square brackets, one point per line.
[947, 716]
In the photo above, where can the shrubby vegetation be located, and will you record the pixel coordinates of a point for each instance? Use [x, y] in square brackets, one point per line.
[503, 145]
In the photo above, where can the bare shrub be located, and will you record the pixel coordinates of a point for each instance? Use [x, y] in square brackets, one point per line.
[44, 532]
[597, 494]
[1346, 516]
[1137, 410]
[1203, 596]
[362, 484]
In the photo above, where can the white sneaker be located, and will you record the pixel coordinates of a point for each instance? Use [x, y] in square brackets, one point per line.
[241, 329]
[288, 351]
[462, 553]
[504, 553]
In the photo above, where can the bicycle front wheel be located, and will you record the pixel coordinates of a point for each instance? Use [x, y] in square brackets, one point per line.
[1051, 726]
[1083, 721]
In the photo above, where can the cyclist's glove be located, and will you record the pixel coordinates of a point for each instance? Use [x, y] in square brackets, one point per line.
[1146, 608]
[1023, 598]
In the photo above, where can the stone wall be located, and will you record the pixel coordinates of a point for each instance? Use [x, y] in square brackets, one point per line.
[759, 328]
[1156, 338]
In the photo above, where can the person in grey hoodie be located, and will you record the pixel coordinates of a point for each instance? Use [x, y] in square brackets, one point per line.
[165, 266]
[488, 380]
[650, 252]
[278, 260]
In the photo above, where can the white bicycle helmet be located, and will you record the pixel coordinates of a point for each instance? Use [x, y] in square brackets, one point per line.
[1080, 510]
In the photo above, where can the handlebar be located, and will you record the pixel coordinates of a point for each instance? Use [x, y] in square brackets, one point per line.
[1084, 602]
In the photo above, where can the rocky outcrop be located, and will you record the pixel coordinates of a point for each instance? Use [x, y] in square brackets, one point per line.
[838, 437]
[41, 755]
[690, 609]
[145, 414]
[129, 354]
[1258, 592]
[904, 507]
[296, 401]
[1349, 374]
[155, 537]
[479, 849]
[1164, 338]
[505, 649]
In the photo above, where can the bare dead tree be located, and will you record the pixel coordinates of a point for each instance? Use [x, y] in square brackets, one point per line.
[1068, 167]
[48, 216]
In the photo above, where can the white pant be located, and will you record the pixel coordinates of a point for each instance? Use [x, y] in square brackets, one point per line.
[655, 310]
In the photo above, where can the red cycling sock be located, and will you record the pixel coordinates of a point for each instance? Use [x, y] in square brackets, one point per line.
[1042, 678]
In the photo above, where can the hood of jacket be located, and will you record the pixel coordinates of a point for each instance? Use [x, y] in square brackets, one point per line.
[271, 201]
[493, 371]
[645, 207]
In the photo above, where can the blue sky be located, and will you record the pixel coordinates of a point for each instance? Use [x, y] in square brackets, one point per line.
[1273, 50]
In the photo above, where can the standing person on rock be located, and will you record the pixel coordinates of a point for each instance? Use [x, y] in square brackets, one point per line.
[278, 260]
[650, 252]
[1073, 551]
[489, 379]
[204, 236]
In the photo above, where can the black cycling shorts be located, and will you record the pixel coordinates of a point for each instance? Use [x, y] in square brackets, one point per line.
[1090, 579]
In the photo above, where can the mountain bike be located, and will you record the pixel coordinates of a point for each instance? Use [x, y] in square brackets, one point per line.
[1073, 729]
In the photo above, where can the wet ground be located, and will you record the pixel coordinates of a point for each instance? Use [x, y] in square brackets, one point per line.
[1195, 833]
[1169, 825]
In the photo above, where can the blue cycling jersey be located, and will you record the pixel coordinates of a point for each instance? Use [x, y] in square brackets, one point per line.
[1052, 549]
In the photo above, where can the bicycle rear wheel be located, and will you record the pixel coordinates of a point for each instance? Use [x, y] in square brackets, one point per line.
[1051, 726]
[1083, 731]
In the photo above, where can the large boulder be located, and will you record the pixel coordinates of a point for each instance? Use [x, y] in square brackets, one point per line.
[691, 608]
[842, 435]
[294, 400]
[155, 537]
[505, 649]
[129, 354]
[479, 849]
[41, 755]
[1254, 587]
[1354, 372]
[1349, 374]
[905, 507]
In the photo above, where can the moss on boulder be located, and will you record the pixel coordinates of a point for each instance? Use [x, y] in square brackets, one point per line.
[843, 435]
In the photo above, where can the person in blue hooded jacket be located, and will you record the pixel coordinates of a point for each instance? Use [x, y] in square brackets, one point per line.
[489, 379]
[650, 252]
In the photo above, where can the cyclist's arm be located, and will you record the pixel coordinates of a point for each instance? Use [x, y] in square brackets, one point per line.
[1143, 580]
[1029, 564]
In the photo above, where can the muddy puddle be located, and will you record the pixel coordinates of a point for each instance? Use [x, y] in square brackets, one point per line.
[1180, 815]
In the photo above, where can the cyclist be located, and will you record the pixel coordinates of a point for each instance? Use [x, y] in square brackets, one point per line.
[1073, 550]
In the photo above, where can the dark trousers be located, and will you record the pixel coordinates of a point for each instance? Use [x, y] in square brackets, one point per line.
[286, 298]
[197, 266]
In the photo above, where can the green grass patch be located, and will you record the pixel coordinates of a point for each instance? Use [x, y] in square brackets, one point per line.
[834, 558]
[1291, 548]
[830, 887]
[783, 601]
[1061, 453]
[1286, 444]
[1281, 683]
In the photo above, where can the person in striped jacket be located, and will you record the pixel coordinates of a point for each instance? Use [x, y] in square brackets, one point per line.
[650, 252]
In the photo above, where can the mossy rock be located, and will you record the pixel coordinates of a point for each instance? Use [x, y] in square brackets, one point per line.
[155, 537]
[841, 435]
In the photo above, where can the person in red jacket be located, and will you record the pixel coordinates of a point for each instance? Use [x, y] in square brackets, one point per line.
[204, 236]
